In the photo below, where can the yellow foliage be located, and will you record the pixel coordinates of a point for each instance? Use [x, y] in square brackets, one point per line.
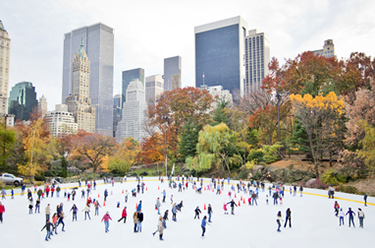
[329, 102]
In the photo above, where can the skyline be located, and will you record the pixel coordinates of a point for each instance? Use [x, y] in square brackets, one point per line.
[147, 32]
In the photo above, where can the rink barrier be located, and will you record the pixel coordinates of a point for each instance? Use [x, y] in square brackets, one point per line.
[205, 181]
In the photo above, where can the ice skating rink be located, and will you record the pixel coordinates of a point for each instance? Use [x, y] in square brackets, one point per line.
[313, 221]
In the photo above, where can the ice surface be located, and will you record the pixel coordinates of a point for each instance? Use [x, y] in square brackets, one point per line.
[313, 221]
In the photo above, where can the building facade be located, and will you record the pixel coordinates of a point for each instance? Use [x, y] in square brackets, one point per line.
[117, 103]
[4, 69]
[154, 88]
[257, 58]
[22, 100]
[328, 49]
[219, 94]
[79, 102]
[219, 55]
[98, 41]
[127, 77]
[61, 122]
[133, 113]
[172, 73]
[42, 106]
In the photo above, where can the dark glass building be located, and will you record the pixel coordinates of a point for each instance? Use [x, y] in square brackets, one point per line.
[172, 73]
[219, 55]
[128, 76]
[22, 100]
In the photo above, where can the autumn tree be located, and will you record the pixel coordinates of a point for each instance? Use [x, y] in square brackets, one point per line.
[8, 139]
[321, 118]
[367, 153]
[93, 147]
[152, 149]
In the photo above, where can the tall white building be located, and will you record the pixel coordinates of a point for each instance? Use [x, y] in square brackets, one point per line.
[154, 87]
[257, 58]
[328, 49]
[61, 122]
[133, 113]
[42, 106]
[4, 69]
[79, 101]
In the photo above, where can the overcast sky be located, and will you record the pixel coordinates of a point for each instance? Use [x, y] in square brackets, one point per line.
[147, 31]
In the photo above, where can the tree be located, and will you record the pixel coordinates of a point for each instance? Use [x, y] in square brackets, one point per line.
[320, 117]
[39, 149]
[152, 149]
[7, 140]
[93, 147]
[124, 157]
[221, 113]
[216, 146]
[368, 143]
[187, 147]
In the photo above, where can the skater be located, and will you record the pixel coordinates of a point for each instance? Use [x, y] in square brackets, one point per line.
[140, 220]
[47, 210]
[105, 194]
[210, 212]
[275, 197]
[341, 217]
[48, 227]
[365, 199]
[361, 216]
[96, 206]
[180, 205]
[203, 225]
[2, 210]
[87, 211]
[254, 198]
[165, 218]
[61, 221]
[197, 212]
[279, 220]
[161, 227]
[31, 206]
[139, 207]
[126, 196]
[164, 194]
[75, 210]
[3, 194]
[174, 212]
[106, 219]
[135, 220]
[232, 205]
[37, 205]
[336, 207]
[266, 199]
[158, 205]
[288, 217]
[225, 208]
[54, 222]
[171, 199]
[301, 190]
[351, 216]
[123, 215]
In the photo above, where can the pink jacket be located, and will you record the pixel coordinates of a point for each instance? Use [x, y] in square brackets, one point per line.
[106, 217]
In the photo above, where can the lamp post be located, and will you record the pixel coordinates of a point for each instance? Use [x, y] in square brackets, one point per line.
[165, 145]
[5, 128]
[278, 96]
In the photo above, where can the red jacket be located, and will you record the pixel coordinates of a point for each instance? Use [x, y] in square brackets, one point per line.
[124, 214]
[2, 209]
[106, 217]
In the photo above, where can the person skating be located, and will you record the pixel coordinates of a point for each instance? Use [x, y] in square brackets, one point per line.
[254, 199]
[106, 219]
[165, 218]
[275, 197]
[96, 206]
[203, 225]
[2, 210]
[48, 226]
[126, 196]
[37, 205]
[54, 222]
[279, 220]
[341, 217]
[210, 212]
[140, 220]
[75, 210]
[351, 216]
[288, 217]
[174, 212]
[47, 210]
[87, 211]
[158, 205]
[139, 207]
[361, 217]
[123, 215]
[225, 208]
[31, 205]
[164, 195]
[336, 206]
[232, 205]
[197, 212]
[365, 199]
[135, 220]
[301, 190]
[61, 221]
[160, 228]
[179, 206]
[105, 194]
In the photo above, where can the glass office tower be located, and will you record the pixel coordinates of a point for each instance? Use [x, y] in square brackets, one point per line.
[22, 100]
[98, 42]
[172, 73]
[219, 55]
[128, 76]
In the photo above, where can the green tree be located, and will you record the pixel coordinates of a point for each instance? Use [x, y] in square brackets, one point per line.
[7, 141]
[221, 113]
[187, 147]
[368, 147]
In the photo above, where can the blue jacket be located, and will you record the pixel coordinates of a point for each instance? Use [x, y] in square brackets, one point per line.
[204, 222]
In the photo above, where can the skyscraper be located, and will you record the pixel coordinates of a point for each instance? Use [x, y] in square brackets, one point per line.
[42, 106]
[22, 100]
[257, 58]
[4, 68]
[117, 103]
[98, 42]
[133, 113]
[172, 73]
[79, 102]
[127, 77]
[154, 87]
[219, 55]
